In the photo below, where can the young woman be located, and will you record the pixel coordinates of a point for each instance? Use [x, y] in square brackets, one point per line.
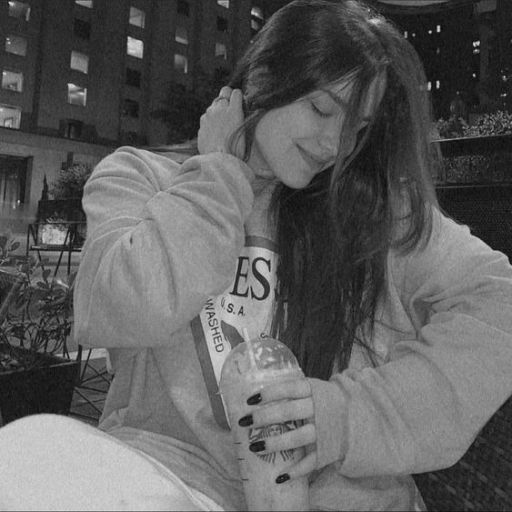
[400, 318]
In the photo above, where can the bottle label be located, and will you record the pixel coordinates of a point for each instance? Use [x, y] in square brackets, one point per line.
[248, 303]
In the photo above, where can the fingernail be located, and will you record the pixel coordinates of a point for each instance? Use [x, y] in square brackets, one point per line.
[254, 399]
[282, 478]
[258, 446]
[245, 421]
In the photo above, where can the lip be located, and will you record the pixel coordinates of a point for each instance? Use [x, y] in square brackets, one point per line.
[316, 163]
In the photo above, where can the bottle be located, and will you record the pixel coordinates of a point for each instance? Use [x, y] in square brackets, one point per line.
[248, 368]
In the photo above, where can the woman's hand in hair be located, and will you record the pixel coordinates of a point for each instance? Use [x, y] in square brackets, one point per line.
[220, 121]
[289, 405]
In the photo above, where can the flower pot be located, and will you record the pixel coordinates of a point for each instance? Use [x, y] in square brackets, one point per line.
[46, 387]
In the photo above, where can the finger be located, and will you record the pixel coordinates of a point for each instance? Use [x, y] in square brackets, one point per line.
[236, 99]
[298, 388]
[303, 468]
[225, 92]
[291, 410]
[290, 440]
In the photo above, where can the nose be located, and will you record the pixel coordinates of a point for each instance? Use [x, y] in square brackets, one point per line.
[330, 140]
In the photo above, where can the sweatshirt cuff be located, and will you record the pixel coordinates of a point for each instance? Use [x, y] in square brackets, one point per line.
[330, 408]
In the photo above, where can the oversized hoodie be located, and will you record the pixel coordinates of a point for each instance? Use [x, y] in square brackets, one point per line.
[166, 240]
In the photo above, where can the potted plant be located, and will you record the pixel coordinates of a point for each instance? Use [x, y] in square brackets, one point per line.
[35, 321]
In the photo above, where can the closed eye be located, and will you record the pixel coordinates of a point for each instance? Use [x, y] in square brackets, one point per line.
[319, 112]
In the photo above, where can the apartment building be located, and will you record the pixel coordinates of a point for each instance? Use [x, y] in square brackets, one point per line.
[81, 77]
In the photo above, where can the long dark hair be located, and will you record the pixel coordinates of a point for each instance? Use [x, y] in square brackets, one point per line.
[335, 235]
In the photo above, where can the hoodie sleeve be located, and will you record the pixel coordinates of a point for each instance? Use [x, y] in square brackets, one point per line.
[422, 409]
[161, 239]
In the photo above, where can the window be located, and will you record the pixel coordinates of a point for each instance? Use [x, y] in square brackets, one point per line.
[181, 35]
[438, 28]
[221, 51]
[134, 47]
[137, 17]
[438, 84]
[79, 62]
[429, 86]
[13, 180]
[10, 117]
[180, 63]
[77, 95]
[133, 77]
[130, 108]
[16, 45]
[257, 19]
[12, 80]
[222, 24]
[84, 3]
[406, 34]
[19, 10]
[82, 28]
[72, 128]
[223, 3]
[183, 7]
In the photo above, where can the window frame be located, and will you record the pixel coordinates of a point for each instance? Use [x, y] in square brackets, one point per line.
[140, 11]
[21, 38]
[7, 70]
[76, 52]
[136, 56]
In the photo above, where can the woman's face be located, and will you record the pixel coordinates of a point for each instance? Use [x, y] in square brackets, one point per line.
[295, 142]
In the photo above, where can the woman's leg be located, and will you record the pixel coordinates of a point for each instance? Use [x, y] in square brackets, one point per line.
[51, 462]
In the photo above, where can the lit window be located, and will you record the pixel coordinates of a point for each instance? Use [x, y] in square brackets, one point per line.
[10, 117]
[438, 28]
[77, 95]
[133, 77]
[16, 45]
[79, 62]
[181, 35]
[474, 75]
[183, 7]
[12, 80]
[476, 51]
[413, 34]
[406, 34]
[19, 10]
[257, 19]
[84, 3]
[221, 51]
[180, 63]
[130, 108]
[429, 86]
[223, 3]
[438, 84]
[137, 17]
[430, 32]
[256, 12]
[222, 24]
[82, 28]
[134, 47]
[476, 43]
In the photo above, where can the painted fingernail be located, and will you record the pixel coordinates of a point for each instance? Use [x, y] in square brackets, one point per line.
[282, 478]
[254, 399]
[258, 446]
[245, 421]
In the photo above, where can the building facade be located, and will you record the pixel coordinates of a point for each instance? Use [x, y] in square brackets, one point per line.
[81, 77]
[465, 46]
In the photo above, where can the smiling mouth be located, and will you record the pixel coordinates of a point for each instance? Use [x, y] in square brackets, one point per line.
[314, 162]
